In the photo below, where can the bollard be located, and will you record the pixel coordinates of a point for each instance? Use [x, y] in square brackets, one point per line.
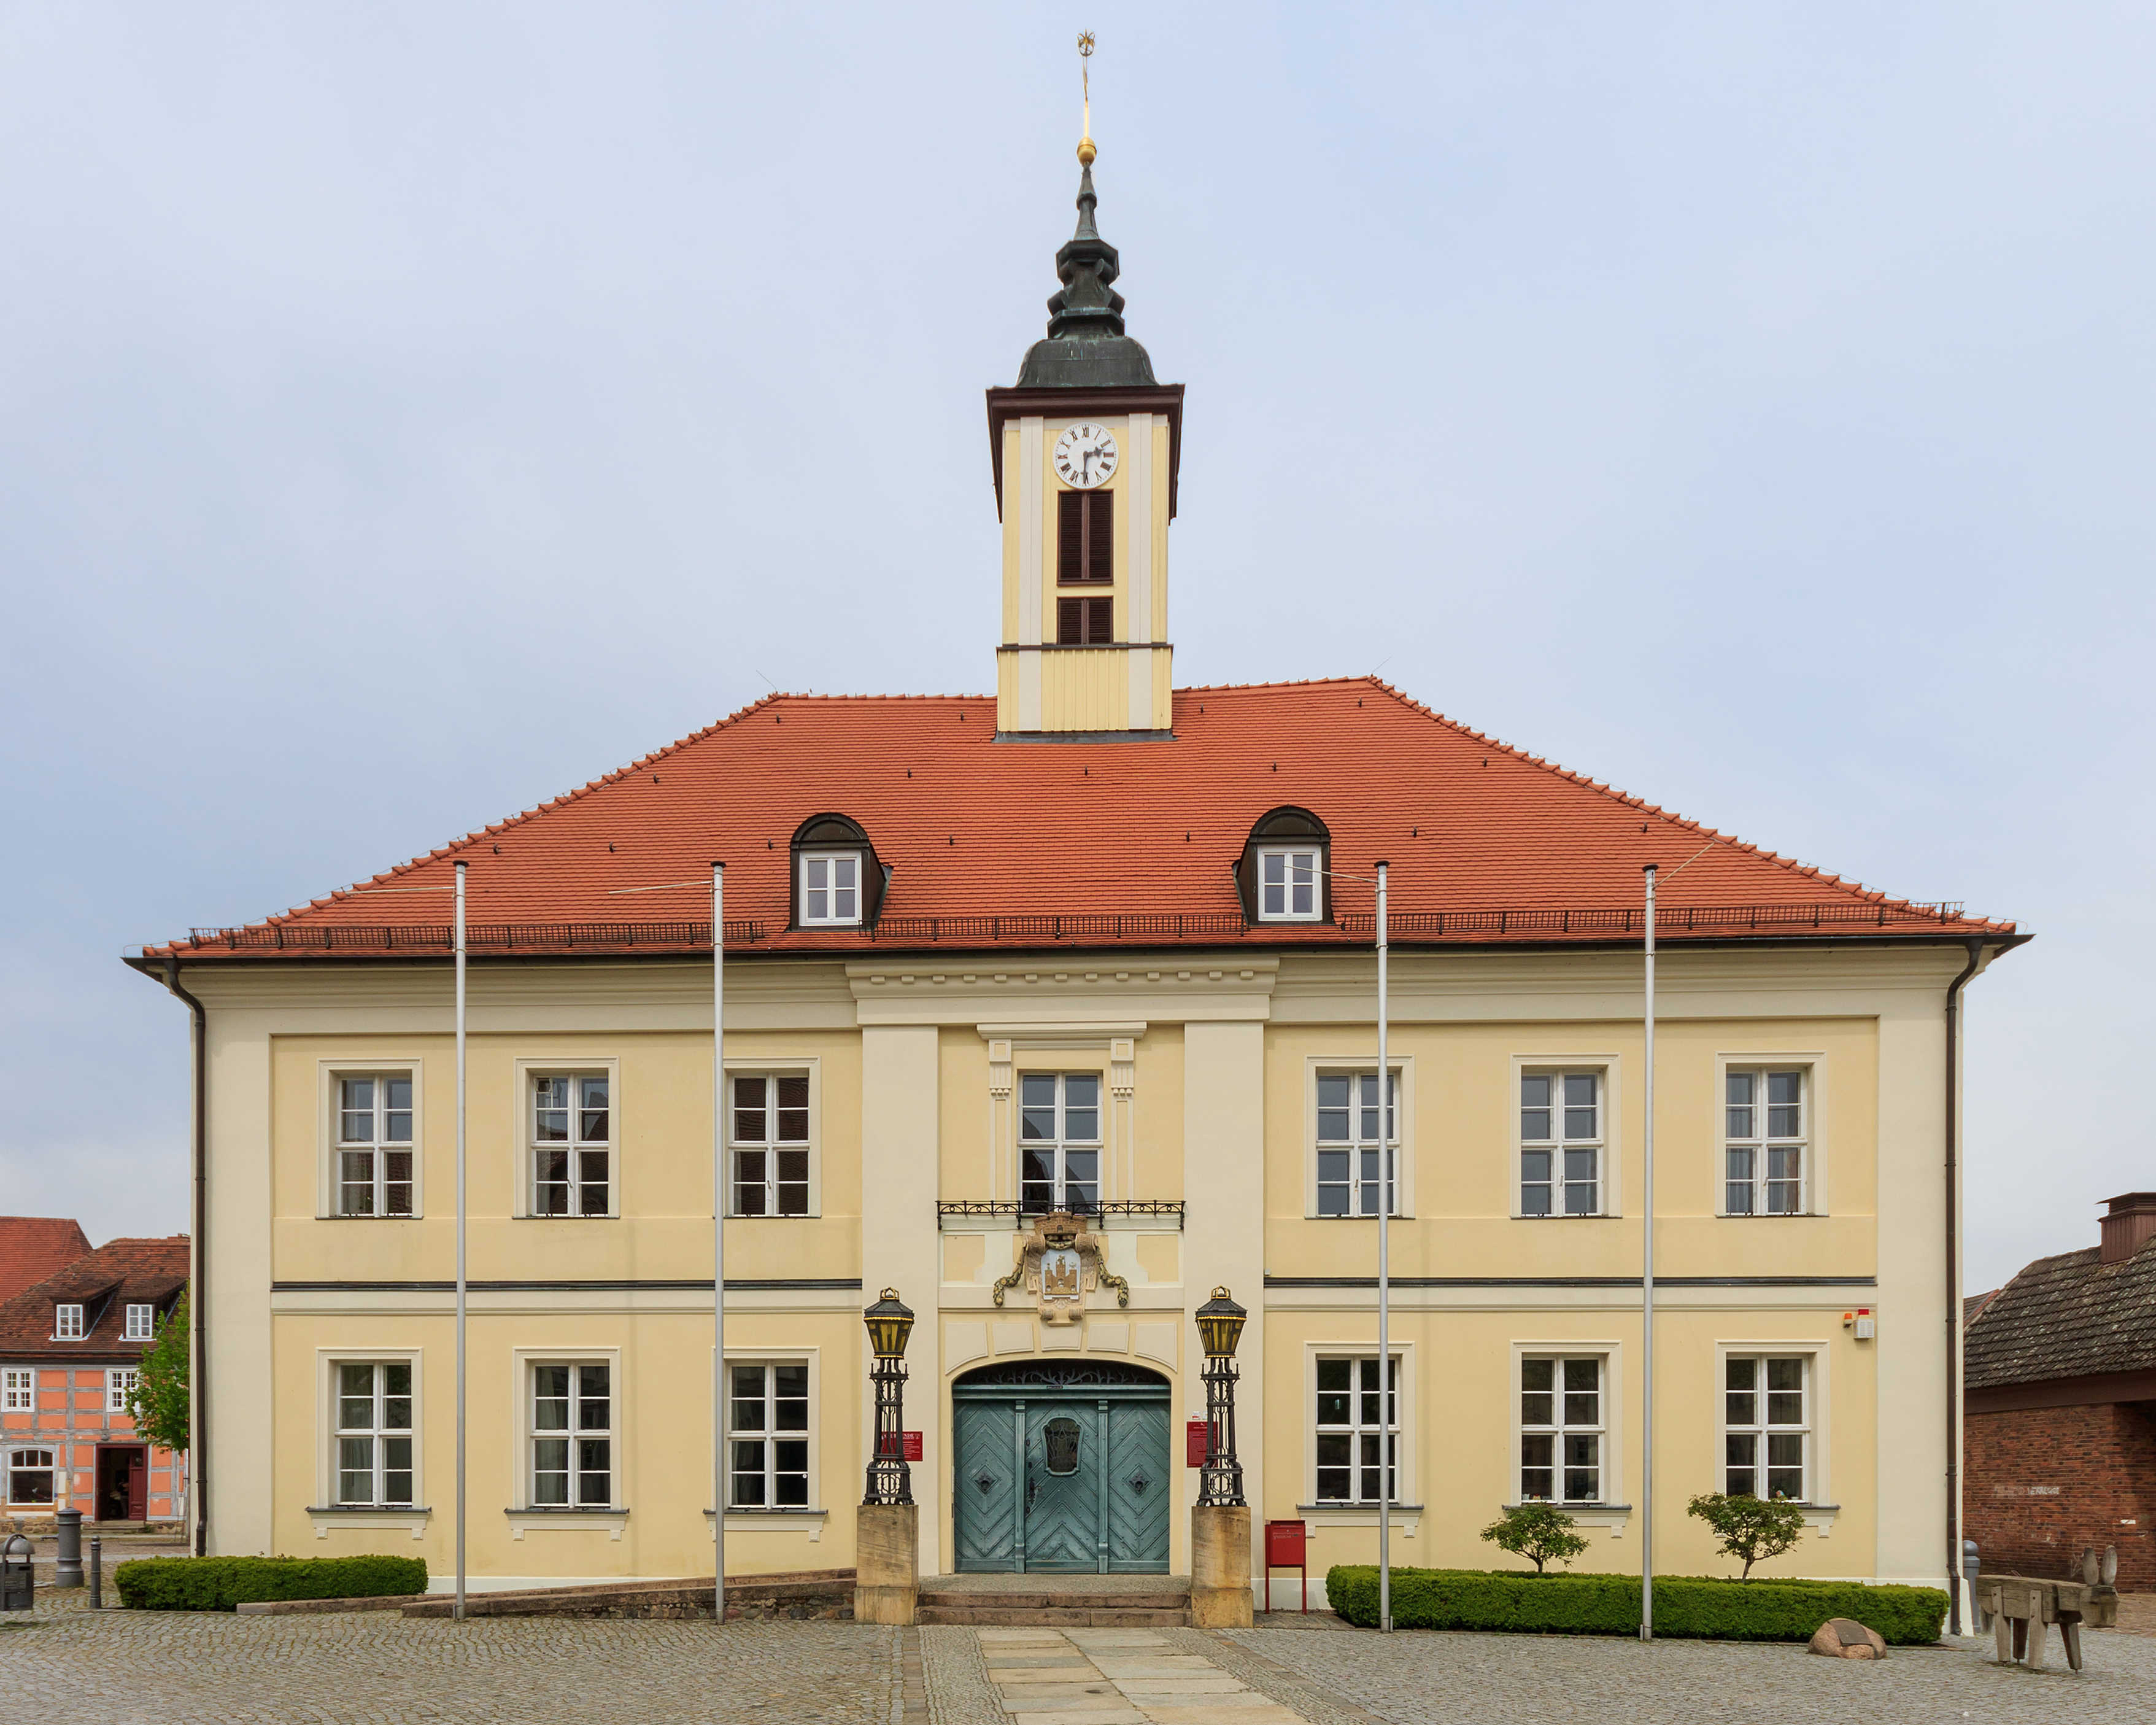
[67, 1566]
[1972, 1571]
[96, 1571]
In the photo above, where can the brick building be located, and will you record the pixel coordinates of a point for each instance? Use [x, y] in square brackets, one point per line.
[70, 1346]
[2060, 1407]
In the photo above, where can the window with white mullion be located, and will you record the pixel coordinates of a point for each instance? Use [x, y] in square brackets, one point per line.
[1357, 1430]
[119, 1382]
[572, 1436]
[30, 1475]
[767, 1436]
[1766, 1422]
[374, 1144]
[18, 1389]
[571, 1139]
[1765, 1144]
[141, 1323]
[1561, 1143]
[770, 1134]
[1562, 1428]
[374, 1432]
[1058, 1142]
[1350, 1175]
[1289, 889]
[67, 1323]
[830, 889]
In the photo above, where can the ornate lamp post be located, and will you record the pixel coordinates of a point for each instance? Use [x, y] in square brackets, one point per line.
[890, 1322]
[1219, 1327]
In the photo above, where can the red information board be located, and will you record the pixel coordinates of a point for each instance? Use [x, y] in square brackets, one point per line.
[1193, 1438]
[912, 1440]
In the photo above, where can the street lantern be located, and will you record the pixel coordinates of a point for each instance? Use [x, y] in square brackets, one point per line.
[1219, 1328]
[890, 1321]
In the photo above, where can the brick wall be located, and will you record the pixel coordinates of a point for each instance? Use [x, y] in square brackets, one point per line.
[71, 1421]
[2042, 1484]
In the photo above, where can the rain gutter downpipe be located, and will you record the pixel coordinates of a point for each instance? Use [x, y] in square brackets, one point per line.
[198, 1299]
[1954, 1284]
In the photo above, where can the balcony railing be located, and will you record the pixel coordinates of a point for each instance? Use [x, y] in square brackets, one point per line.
[1018, 1214]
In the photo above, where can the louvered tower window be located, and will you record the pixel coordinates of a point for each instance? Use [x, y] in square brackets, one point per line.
[1085, 623]
[1085, 536]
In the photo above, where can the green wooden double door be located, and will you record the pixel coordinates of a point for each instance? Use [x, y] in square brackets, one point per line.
[1062, 1476]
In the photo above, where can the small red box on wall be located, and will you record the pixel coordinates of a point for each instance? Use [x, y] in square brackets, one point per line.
[912, 1440]
[1193, 1438]
[1285, 1549]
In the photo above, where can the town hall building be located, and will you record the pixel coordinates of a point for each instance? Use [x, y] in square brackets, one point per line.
[1097, 946]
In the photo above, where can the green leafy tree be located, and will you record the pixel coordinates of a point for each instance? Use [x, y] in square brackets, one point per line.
[1753, 1528]
[1536, 1531]
[159, 1400]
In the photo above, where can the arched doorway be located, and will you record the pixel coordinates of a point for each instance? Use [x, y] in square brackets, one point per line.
[1062, 1465]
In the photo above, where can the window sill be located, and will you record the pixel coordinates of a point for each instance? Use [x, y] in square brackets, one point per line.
[1406, 1518]
[1567, 1216]
[412, 1517]
[536, 1216]
[341, 1216]
[1397, 1216]
[1612, 1516]
[567, 1518]
[765, 1521]
[1768, 1215]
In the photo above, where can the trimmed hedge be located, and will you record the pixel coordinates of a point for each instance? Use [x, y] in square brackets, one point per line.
[219, 1583]
[1708, 1607]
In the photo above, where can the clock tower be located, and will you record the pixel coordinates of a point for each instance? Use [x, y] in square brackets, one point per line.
[1085, 447]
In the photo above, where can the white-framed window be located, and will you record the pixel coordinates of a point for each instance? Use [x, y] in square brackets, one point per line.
[141, 1322]
[830, 889]
[67, 1323]
[1358, 1428]
[1767, 1425]
[1563, 1421]
[374, 1144]
[1058, 1142]
[1561, 1143]
[1766, 1147]
[572, 1435]
[372, 1403]
[18, 1389]
[768, 1435]
[769, 1134]
[29, 1476]
[120, 1382]
[1289, 884]
[1350, 1176]
[571, 1115]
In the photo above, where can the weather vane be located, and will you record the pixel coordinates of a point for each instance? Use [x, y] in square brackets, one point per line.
[1085, 151]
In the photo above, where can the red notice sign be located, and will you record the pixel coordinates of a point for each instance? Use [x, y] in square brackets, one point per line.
[912, 1440]
[1193, 1442]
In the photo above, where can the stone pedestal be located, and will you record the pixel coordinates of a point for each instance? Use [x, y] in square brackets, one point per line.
[1220, 1566]
[887, 1560]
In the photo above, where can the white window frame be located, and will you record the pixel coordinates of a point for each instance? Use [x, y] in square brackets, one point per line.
[811, 1070]
[1360, 1357]
[523, 1128]
[141, 1322]
[118, 1381]
[9, 1455]
[18, 1389]
[1286, 854]
[1812, 1195]
[1809, 1356]
[768, 1365]
[1611, 1071]
[854, 858]
[1560, 1425]
[1316, 1066]
[523, 1432]
[68, 1324]
[1062, 1144]
[1560, 1145]
[330, 1075]
[327, 1360]
[1613, 1512]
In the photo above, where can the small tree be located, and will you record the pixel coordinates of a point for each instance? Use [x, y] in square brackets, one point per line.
[159, 1401]
[1538, 1531]
[1753, 1528]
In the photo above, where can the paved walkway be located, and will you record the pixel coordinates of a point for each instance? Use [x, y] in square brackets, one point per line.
[1117, 1677]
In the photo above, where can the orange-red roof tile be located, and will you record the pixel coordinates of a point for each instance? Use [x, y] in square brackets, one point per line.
[33, 1247]
[103, 1283]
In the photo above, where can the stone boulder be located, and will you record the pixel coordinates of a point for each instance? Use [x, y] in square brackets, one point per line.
[1845, 1638]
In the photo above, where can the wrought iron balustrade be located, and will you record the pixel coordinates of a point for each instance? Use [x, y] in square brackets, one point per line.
[1019, 1213]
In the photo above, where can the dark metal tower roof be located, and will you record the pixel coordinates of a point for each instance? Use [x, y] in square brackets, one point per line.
[1086, 348]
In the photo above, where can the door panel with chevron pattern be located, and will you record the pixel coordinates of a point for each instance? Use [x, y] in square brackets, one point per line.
[1111, 1509]
[1137, 1486]
[986, 1492]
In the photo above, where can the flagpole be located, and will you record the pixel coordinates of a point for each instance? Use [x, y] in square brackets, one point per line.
[460, 1242]
[718, 1243]
[1385, 1391]
[1647, 1305]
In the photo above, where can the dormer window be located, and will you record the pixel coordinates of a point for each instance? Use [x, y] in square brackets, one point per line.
[838, 883]
[67, 1323]
[141, 1322]
[1283, 877]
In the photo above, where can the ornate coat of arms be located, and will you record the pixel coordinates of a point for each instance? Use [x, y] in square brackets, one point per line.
[1060, 1263]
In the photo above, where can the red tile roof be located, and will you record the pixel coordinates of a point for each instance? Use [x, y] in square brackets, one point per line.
[33, 1247]
[106, 1282]
[1007, 843]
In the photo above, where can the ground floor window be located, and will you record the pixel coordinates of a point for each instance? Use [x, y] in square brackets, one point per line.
[1357, 1431]
[374, 1431]
[572, 1435]
[767, 1436]
[1561, 1429]
[29, 1476]
[1766, 1426]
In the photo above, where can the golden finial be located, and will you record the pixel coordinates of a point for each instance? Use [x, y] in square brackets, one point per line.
[1085, 151]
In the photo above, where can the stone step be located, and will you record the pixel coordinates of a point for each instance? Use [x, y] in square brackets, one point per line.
[986, 1611]
[1151, 1598]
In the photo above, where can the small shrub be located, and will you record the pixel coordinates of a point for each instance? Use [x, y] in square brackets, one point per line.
[1698, 1607]
[219, 1583]
[1752, 1528]
[1538, 1532]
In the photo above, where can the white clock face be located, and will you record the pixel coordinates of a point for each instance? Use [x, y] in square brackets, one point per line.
[1085, 456]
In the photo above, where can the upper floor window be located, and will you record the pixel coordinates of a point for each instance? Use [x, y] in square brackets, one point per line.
[1357, 1430]
[374, 1431]
[120, 1382]
[374, 1144]
[1085, 623]
[1287, 883]
[1766, 1426]
[767, 1436]
[838, 882]
[1282, 876]
[572, 1435]
[571, 1140]
[1561, 1431]
[1561, 1143]
[19, 1390]
[1085, 536]
[67, 1323]
[141, 1322]
[1060, 1141]
[1765, 1142]
[770, 1136]
[1350, 1175]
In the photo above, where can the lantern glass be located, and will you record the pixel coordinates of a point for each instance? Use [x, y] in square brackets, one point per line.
[1220, 1325]
[890, 1321]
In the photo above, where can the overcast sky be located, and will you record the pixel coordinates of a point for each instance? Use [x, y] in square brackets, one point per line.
[408, 411]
